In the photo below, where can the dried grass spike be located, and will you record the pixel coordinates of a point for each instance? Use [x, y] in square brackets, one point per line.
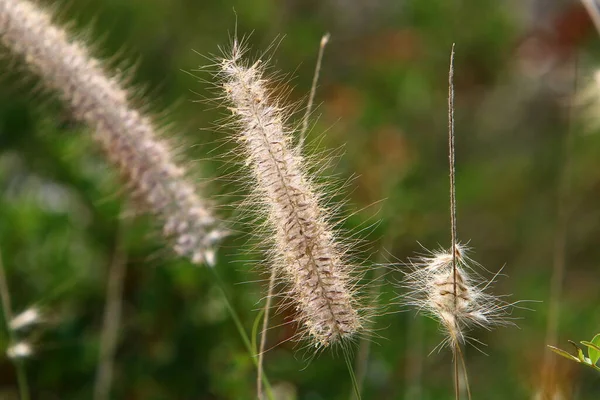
[129, 137]
[305, 248]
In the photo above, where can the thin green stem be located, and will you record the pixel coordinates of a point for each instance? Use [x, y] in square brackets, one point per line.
[109, 336]
[263, 335]
[240, 328]
[7, 311]
[466, 375]
[313, 90]
[456, 380]
[352, 375]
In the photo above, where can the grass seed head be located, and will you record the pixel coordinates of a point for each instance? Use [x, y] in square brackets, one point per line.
[304, 246]
[130, 138]
[19, 350]
[26, 318]
[458, 299]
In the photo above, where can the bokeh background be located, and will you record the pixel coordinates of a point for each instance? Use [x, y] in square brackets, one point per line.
[383, 100]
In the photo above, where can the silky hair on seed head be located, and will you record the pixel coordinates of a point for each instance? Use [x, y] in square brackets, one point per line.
[430, 289]
[304, 247]
[130, 138]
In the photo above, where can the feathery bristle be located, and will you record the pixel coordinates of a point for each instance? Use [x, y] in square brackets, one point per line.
[130, 138]
[304, 245]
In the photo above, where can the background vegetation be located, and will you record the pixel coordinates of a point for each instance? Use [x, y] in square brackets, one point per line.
[383, 95]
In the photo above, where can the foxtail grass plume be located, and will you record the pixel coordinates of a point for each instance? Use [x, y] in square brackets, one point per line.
[305, 249]
[129, 137]
[455, 297]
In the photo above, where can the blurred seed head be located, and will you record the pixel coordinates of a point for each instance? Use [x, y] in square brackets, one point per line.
[131, 139]
[26, 318]
[19, 350]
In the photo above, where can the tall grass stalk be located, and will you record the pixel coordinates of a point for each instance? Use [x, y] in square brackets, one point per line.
[445, 285]
[313, 90]
[241, 330]
[455, 272]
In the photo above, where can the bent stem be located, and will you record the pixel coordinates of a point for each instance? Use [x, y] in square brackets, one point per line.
[7, 311]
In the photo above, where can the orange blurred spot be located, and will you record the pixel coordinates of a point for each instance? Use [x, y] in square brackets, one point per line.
[344, 102]
[392, 47]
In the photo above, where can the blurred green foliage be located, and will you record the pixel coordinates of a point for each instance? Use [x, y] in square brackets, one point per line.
[383, 95]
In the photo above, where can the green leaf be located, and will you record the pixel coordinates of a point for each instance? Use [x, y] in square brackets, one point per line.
[593, 349]
[564, 354]
[582, 358]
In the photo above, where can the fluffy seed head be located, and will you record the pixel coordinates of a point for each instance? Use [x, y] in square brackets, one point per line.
[129, 137]
[19, 350]
[456, 298]
[26, 318]
[304, 246]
